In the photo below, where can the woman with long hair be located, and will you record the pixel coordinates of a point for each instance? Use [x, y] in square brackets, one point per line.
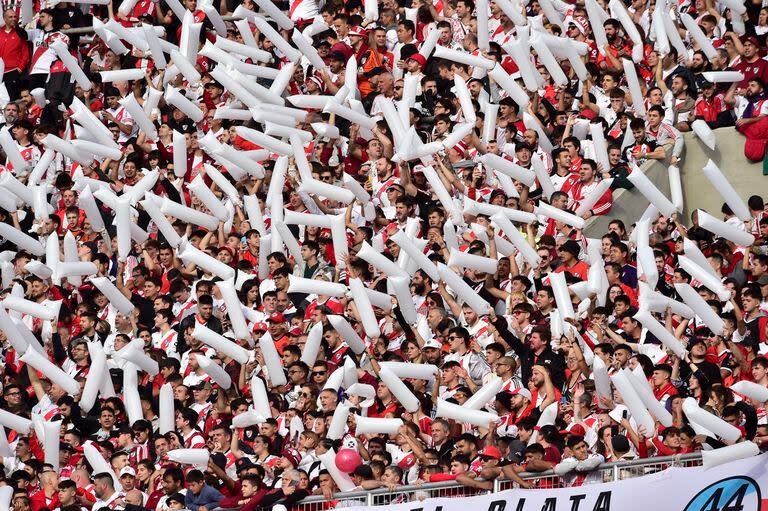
[412, 351]
[145, 476]
[603, 445]
[249, 294]
[719, 397]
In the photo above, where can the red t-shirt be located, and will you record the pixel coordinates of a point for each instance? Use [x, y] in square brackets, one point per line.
[578, 270]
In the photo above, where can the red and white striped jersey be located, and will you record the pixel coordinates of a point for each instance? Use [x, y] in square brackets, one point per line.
[42, 56]
[303, 9]
[194, 440]
[166, 342]
[122, 115]
[30, 153]
[578, 191]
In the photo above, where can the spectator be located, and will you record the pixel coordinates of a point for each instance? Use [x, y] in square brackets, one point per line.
[210, 229]
[14, 53]
[199, 494]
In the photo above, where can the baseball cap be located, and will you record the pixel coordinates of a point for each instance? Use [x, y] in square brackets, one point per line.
[571, 246]
[244, 464]
[491, 451]
[127, 471]
[432, 343]
[522, 391]
[66, 446]
[344, 49]
[277, 317]
[295, 331]
[358, 31]
[418, 57]
[574, 429]
[751, 39]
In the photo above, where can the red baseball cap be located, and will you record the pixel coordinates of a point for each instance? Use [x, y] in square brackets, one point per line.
[418, 57]
[575, 429]
[750, 39]
[358, 31]
[491, 451]
[277, 317]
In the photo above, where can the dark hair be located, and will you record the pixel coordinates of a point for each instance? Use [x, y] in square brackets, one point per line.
[195, 476]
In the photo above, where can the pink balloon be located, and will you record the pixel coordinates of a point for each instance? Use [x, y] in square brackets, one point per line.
[347, 460]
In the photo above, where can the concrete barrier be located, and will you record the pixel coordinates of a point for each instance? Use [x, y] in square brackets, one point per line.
[629, 205]
[745, 176]
[698, 193]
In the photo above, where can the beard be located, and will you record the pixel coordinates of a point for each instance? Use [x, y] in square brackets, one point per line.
[419, 289]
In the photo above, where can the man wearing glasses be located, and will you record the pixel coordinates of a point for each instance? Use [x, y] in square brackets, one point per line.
[12, 397]
[320, 374]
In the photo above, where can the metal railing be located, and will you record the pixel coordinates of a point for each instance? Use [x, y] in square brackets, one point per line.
[605, 473]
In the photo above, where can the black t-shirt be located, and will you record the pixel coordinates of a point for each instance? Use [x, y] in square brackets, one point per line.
[756, 328]
[146, 310]
[71, 16]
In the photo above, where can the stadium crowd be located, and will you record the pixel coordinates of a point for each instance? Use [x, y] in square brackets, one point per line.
[385, 147]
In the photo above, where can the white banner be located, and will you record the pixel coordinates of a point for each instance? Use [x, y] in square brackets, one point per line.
[735, 486]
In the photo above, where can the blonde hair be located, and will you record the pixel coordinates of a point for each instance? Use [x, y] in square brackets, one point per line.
[513, 299]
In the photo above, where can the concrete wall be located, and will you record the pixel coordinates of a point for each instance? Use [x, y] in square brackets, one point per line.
[629, 205]
[746, 177]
